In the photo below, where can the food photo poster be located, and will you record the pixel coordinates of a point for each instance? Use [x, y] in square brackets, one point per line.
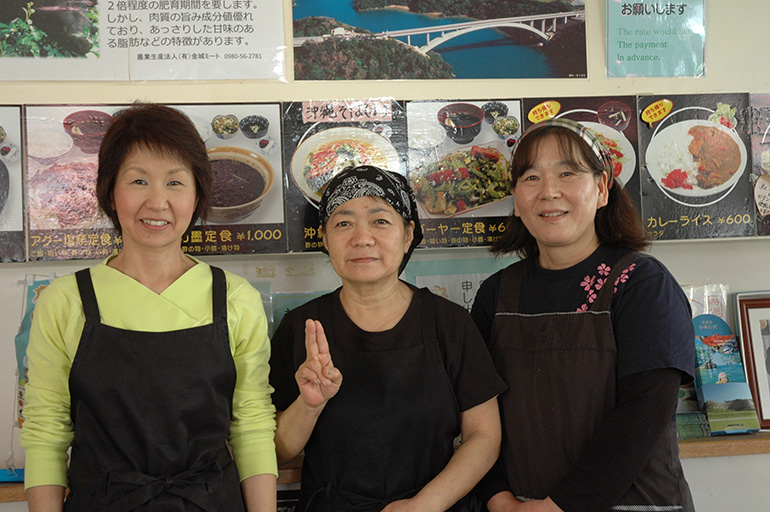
[760, 148]
[612, 119]
[656, 39]
[321, 138]
[12, 241]
[65, 221]
[459, 157]
[696, 166]
[441, 39]
[118, 41]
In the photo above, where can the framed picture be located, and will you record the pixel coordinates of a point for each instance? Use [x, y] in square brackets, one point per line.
[753, 314]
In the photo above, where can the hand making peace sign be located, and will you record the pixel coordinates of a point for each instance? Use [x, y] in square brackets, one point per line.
[317, 378]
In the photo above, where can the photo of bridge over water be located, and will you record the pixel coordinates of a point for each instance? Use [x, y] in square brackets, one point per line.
[438, 39]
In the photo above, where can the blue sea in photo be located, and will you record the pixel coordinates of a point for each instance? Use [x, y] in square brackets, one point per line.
[481, 54]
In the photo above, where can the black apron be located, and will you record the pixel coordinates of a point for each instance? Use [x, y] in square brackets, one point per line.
[389, 429]
[152, 412]
[561, 374]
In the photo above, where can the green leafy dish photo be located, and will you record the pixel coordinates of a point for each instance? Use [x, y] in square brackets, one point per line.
[463, 180]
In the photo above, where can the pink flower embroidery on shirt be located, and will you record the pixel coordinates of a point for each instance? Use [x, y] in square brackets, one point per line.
[623, 277]
[592, 284]
[588, 282]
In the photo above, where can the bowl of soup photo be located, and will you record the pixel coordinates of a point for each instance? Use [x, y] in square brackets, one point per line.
[87, 127]
[462, 121]
[241, 180]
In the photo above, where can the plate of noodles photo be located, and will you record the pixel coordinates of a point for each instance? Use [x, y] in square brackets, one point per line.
[323, 154]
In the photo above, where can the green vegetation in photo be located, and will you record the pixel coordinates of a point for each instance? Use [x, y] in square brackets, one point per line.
[21, 37]
[339, 58]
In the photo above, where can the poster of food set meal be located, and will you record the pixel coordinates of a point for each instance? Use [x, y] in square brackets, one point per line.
[321, 138]
[611, 119]
[760, 148]
[63, 215]
[459, 153]
[12, 243]
[696, 165]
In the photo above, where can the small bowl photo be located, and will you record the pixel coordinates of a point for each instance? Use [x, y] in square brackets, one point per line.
[241, 180]
[505, 126]
[203, 127]
[87, 127]
[614, 114]
[461, 121]
[254, 127]
[493, 110]
[424, 136]
[225, 126]
[45, 144]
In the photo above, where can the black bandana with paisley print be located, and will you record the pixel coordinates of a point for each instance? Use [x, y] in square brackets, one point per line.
[367, 180]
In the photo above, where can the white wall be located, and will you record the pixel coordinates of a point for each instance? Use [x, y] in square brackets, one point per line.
[737, 38]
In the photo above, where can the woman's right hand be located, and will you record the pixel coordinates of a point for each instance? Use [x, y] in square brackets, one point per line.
[317, 378]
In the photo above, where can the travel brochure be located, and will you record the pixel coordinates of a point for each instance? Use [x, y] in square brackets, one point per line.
[720, 380]
[696, 166]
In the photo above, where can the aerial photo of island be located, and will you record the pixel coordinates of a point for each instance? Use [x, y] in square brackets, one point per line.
[438, 39]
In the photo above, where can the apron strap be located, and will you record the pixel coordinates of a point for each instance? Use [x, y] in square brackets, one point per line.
[510, 279]
[602, 302]
[429, 316]
[88, 296]
[219, 294]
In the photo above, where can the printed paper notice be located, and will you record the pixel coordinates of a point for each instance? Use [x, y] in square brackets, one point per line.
[147, 40]
[655, 38]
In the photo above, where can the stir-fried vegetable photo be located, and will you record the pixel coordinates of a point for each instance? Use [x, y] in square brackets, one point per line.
[462, 180]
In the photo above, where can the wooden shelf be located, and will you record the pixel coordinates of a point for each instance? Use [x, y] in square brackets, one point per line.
[12, 492]
[720, 446]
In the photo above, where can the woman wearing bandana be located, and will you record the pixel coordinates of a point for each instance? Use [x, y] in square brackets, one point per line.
[416, 372]
[592, 338]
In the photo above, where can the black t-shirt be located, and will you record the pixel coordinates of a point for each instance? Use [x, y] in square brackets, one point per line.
[466, 358]
[651, 315]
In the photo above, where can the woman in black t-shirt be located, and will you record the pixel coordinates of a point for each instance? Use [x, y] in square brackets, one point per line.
[416, 371]
[592, 338]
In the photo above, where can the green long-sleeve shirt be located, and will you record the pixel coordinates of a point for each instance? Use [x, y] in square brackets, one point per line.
[124, 303]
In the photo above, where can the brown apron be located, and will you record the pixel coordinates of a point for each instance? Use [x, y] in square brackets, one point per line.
[561, 374]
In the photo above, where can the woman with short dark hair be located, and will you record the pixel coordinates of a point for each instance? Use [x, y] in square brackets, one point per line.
[592, 337]
[416, 373]
[149, 363]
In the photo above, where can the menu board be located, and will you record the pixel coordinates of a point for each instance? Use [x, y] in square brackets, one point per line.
[760, 149]
[247, 212]
[612, 119]
[12, 246]
[63, 215]
[696, 166]
[321, 138]
[459, 153]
